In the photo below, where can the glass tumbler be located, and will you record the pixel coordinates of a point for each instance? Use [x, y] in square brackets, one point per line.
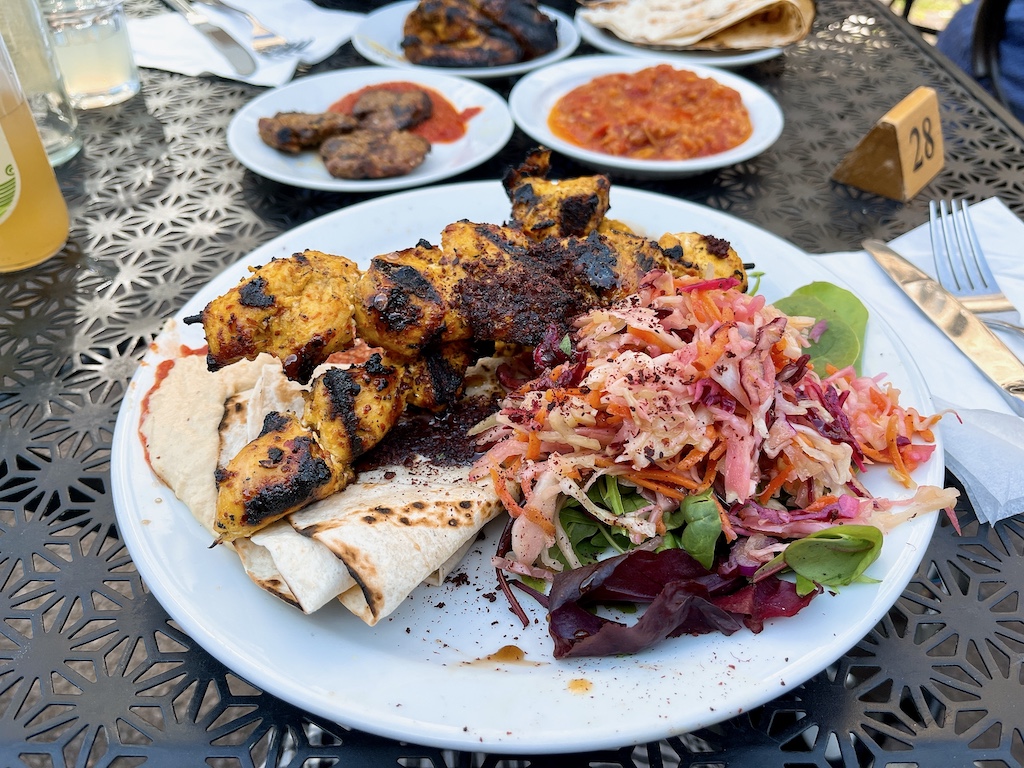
[28, 43]
[33, 215]
[93, 50]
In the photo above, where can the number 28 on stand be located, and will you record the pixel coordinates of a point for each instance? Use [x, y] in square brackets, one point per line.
[901, 153]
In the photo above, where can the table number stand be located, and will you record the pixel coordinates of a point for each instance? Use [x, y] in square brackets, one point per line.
[901, 153]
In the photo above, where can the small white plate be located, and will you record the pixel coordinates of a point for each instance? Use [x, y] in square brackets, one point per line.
[486, 133]
[533, 98]
[379, 39]
[608, 42]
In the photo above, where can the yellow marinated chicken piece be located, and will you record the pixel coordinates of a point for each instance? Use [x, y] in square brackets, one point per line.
[702, 255]
[436, 379]
[282, 470]
[351, 409]
[543, 208]
[299, 309]
[407, 302]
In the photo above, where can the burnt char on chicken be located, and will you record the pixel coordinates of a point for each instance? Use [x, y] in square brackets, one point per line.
[392, 110]
[544, 208]
[477, 33]
[365, 154]
[282, 470]
[293, 132]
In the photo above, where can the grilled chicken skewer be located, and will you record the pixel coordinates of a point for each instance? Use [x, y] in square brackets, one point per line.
[425, 307]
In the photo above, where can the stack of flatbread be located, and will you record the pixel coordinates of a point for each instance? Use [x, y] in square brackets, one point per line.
[405, 521]
[713, 25]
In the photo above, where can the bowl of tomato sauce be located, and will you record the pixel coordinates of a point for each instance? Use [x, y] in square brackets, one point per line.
[644, 118]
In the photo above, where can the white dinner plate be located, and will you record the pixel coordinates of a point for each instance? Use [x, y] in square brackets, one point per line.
[533, 98]
[608, 42]
[486, 132]
[431, 673]
[379, 39]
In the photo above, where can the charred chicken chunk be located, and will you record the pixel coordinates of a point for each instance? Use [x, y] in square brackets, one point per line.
[366, 154]
[351, 409]
[514, 288]
[295, 131]
[298, 309]
[282, 470]
[386, 110]
[436, 379]
[406, 301]
[542, 208]
[702, 255]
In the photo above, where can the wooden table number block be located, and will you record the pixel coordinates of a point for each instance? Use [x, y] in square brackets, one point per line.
[901, 153]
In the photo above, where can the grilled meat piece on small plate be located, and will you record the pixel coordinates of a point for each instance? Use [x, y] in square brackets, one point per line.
[295, 131]
[367, 154]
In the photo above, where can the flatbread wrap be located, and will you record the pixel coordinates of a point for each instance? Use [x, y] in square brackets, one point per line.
[714, 25]
[408, 518]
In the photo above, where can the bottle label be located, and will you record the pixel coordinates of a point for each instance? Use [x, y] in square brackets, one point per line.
[10, 179]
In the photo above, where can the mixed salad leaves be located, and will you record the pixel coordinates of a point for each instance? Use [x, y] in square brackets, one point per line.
[697, 450]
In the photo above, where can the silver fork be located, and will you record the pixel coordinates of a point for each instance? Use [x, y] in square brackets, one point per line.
[963, 269]
[264, 41]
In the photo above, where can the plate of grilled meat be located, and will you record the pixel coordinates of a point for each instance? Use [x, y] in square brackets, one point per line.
[477, 40]
[420, 645]
[370, 129]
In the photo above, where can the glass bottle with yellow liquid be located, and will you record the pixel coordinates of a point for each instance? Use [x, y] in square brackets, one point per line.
[33, 215]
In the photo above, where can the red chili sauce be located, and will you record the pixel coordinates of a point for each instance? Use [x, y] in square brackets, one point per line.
[163, 369]
[659, 113]
[445, 125]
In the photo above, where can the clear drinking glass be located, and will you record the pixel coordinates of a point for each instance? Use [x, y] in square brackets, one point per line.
[93, 50]
[33, 215]
[28, 43]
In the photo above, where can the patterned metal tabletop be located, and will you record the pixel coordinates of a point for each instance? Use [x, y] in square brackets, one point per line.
[94, 673]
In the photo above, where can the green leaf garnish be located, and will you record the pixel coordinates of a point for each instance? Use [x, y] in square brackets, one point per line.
[834, 557]
[565, 345]
[842, 342]
[701, 527]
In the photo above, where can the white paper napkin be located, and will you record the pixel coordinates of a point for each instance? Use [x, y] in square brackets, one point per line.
[166, 41]
[986, 450]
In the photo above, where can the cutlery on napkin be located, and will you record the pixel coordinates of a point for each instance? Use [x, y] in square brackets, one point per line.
[984, 441]
[166, 41]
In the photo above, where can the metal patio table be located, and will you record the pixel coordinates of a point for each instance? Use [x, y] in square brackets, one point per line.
[94, 673]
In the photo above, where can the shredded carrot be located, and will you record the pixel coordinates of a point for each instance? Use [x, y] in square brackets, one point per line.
[785, 470]
[617, 409]
[651, 338]
[891, 433]
[821, 502]
[727, 530]
[665, 476]
[710, 306]
[709, 354]
[665, 490]
[501, 488]
[533, 446]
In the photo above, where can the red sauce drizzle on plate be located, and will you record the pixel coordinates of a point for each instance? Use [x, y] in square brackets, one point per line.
[163, 369]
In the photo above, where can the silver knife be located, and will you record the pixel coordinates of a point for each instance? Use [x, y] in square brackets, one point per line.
[236, 53]
[992, 357]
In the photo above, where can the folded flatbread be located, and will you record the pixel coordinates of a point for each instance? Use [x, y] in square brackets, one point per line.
[714, 25]
[408, 518]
